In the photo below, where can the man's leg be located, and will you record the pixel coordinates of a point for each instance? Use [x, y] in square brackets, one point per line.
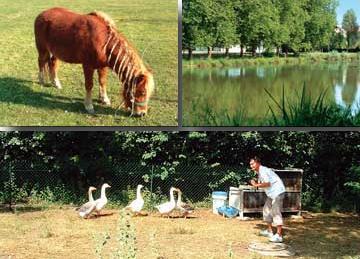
[276, 213]
[267, 217]
[277, 217]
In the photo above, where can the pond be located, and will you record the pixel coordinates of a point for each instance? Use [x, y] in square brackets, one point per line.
[244, 89]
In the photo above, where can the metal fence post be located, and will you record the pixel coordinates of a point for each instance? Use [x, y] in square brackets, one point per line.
[11, 185]
[151, 188]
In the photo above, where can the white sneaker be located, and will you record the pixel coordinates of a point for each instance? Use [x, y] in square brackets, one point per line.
[266, 233]
[276, 238]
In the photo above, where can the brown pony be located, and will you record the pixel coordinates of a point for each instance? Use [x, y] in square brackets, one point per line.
[93, 41]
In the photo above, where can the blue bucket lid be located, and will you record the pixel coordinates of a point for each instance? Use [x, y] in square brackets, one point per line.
[218, 193]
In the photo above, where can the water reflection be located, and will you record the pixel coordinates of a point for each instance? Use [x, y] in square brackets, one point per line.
[350, 81]
[355, 106]
[245, 86]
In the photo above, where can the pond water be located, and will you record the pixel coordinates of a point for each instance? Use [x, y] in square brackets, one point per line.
[243, 88]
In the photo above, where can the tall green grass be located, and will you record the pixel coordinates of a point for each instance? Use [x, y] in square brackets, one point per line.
[150, 25]
[309, 111]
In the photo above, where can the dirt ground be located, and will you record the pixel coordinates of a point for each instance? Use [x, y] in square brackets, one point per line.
[60, 233]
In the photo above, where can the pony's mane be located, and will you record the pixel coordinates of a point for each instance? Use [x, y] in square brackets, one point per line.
[105, 17]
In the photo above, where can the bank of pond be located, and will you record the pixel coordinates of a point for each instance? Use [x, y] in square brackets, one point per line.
[201, 60]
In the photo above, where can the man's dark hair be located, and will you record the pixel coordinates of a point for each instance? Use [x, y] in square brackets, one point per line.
[256, 159]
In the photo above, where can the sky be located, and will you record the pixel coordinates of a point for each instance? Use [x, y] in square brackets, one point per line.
[345, 5]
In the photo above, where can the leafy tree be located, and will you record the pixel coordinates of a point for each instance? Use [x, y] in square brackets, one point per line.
[258, 23]
[197, 25]
[321, 23]
[225, 25]
[338, 41]
[292, 24]
[351, 27]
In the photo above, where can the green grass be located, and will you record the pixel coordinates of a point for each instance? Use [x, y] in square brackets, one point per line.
[200, 61]
[151, 25]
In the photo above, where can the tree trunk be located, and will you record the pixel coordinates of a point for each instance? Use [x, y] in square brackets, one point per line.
[209, 52]
[254, 51]
[226, 52]
[241, 51]
[190, 53]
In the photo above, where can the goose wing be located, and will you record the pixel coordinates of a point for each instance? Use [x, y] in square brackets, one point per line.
[187, 207]
[166, 207]
[100, 203]
[86, 209]
[137, 205]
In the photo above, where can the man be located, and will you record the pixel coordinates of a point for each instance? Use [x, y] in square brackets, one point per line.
[275, 190]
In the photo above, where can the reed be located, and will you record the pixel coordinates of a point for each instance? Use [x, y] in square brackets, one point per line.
[309, 111]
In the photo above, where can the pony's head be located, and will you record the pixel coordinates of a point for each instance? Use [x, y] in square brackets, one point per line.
[138, 94]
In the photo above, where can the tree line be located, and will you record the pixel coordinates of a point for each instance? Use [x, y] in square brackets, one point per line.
[281, 25]
[330, 160]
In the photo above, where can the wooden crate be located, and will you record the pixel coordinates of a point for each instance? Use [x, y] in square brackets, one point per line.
[252, 200]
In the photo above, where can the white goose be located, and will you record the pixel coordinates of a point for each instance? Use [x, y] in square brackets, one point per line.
[88, 207]
[136, 205]
[167, 207]
[101, 202]
[184, 208]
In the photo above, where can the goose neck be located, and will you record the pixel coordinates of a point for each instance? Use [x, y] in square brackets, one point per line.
[138, 193]
[103, 195]
[90, 195]
[172, 199]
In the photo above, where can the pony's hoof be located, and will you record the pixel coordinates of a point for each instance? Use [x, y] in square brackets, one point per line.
[57, 84]
[105, 102]
[90, 109]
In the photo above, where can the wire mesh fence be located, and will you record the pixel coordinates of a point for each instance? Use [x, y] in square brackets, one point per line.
[21, 179]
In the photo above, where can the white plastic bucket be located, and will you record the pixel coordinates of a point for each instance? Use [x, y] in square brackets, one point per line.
[234, 197]
[219, 199]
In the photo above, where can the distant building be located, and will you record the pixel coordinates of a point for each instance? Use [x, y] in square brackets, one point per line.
[340, 30]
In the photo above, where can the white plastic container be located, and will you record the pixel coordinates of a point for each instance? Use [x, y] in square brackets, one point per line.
[234, 197]
[219, 199]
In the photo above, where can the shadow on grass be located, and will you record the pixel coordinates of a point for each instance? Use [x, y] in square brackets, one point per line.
[101, 215]
[324, 235]
[20, 209]
[18, 91]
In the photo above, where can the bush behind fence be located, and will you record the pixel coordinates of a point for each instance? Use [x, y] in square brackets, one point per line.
[22, 182]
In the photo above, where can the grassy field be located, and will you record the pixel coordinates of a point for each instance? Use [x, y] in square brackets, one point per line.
[60, 233]
[151, 25]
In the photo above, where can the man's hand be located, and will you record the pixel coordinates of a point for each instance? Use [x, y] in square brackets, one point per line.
[253, 183]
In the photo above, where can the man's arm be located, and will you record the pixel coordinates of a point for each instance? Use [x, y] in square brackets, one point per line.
[261, 185]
